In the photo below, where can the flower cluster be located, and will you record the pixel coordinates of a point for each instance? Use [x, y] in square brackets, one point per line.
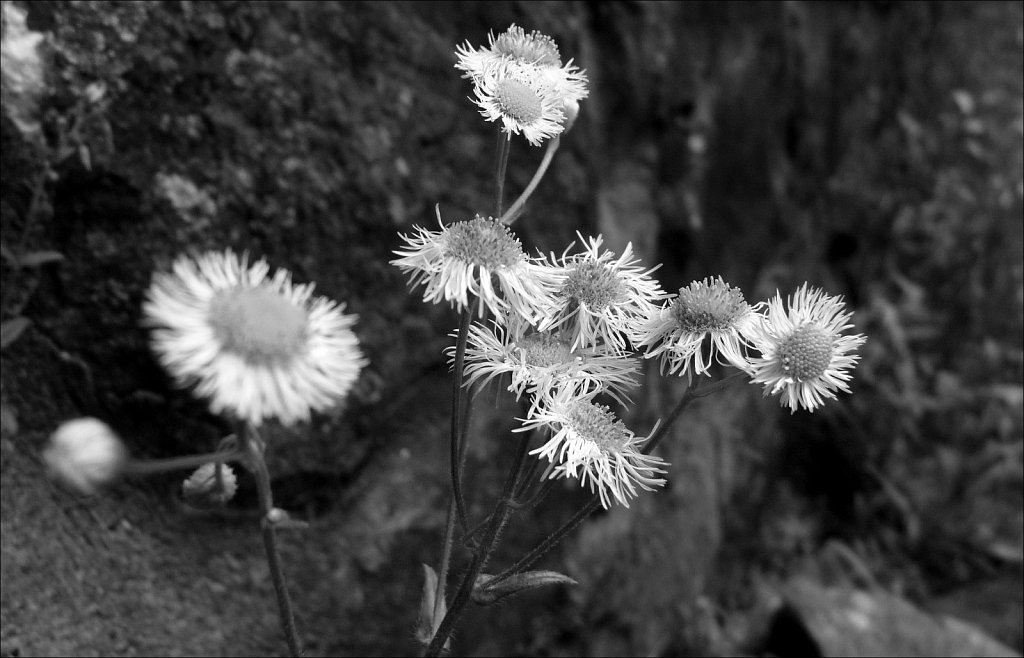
[566, 329]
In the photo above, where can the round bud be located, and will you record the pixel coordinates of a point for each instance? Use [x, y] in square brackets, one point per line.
[85, 454]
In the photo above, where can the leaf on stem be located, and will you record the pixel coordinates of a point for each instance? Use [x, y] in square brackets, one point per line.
[486, 592]
[426, 624]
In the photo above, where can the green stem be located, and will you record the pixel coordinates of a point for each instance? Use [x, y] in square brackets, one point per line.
[498, 519]
[513, 212]
[253, 449]
[150, 466]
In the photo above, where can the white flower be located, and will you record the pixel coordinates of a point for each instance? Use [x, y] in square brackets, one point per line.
[463, 258]
[709, 309]
[210, 486]
[603, 299]
[518, 97]
[805, 356]
[520, 80]
[539, 361]
[591, 444]
[85, 454]
[255, 346]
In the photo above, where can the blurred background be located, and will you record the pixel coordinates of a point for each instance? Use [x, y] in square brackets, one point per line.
[872, 149]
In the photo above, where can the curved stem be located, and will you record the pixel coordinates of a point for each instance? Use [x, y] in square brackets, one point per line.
[498, 519]
[150, 466]
[513, 212]
[253, 449]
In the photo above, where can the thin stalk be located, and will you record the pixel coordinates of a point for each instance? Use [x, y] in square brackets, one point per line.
[150, 466]
[513, 212]
[442, 573]
[499, 517]
[253, 449]
[500, 169]
[457, 432]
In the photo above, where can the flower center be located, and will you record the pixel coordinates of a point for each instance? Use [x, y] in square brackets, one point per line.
[484, 242]
[535, 47]
[596, 422]
[595, 285]
[708, 305]
[542, 350]
[258, 324]
[806, 353]
[518, 101]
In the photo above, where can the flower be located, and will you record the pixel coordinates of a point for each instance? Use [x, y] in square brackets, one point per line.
[709, 308]
[462, 258]
[518, 97]
[256, 346]
[804, 353]
[210, 486]
[85, 454]
[591, 444]
[520, 80]
[542, 360]
[603, 299]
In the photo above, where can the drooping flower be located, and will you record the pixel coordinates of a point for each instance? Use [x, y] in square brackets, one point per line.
[603, 299]
[710, 309]
[539, 361]
[520, 80]
[588, 442]
[460, 260]
[256, 346]
[805, 356]
[85, 454]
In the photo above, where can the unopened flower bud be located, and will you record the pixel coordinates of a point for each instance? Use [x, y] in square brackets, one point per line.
[84, 454]
[208, 489]
[571, 110]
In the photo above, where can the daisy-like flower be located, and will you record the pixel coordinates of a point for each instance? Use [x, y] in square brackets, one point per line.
[539, 361]
[805, 356]
[256, 346]
[520, 80]
[461, 259]
[603, 299]
[709, 309]
[591, 444]
[522, 101]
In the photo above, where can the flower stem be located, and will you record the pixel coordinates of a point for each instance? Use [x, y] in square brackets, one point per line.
[252, 447]
[500, 168]
[513, 212]
[457, 431]
[498, 519]
[150, 466]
